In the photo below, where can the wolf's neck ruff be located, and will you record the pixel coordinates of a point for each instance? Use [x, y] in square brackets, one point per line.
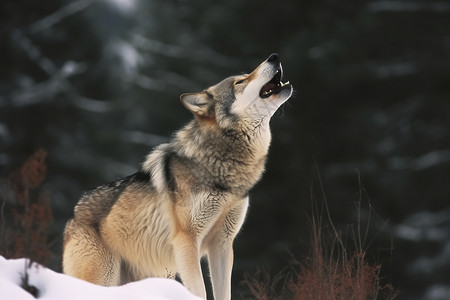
[190, 197]
[233, 158]
[223, 159]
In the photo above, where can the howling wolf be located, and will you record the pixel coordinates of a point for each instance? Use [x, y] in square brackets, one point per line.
[190, 196]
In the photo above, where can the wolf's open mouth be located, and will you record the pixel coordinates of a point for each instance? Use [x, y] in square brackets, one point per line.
[274, 86]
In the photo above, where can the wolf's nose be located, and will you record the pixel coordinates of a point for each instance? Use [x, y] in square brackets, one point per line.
[274, 58]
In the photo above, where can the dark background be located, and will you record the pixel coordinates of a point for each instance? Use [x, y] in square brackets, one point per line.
[97, 83]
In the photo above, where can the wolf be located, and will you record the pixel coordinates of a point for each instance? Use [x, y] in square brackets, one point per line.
[190, 196]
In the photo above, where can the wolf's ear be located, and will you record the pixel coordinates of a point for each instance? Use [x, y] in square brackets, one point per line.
[198, 103]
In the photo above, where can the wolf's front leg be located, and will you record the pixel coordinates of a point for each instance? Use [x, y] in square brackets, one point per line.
[220, 250]
[187, 259]
[220, 257]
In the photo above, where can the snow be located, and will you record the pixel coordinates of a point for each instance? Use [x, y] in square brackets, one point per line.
[128, 56]
[438, 292]
[425, 226]
[54, 286]
[125, 6]
[425, 161]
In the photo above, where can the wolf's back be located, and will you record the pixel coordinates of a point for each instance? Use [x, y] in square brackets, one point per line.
[96, 204]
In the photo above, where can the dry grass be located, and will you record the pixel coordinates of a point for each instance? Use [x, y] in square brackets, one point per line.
[331, 271]
[26, 234]
[328, 273]
[28, 215]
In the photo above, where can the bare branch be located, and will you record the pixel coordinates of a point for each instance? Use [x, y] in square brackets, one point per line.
[199, 54]
[60, 14]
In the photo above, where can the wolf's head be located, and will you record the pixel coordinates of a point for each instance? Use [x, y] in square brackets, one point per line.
[251, 97]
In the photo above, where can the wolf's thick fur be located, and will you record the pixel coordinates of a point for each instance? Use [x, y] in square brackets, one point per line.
[190, 197]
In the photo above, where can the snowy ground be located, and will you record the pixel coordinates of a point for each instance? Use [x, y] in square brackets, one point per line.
[56, 286]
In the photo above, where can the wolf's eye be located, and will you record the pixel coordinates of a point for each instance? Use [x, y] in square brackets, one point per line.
[239, 82]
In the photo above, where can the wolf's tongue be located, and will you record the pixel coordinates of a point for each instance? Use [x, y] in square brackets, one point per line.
[273, 86]
[268, 86]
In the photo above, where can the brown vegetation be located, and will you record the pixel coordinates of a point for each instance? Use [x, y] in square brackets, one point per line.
[330, 272]
[28, 214]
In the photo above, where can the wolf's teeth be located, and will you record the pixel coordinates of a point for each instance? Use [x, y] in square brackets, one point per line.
[283, 84]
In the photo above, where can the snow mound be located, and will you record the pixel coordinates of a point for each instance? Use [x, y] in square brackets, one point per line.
[55, 286]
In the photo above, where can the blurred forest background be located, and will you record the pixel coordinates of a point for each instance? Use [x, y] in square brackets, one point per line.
[96, 83]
